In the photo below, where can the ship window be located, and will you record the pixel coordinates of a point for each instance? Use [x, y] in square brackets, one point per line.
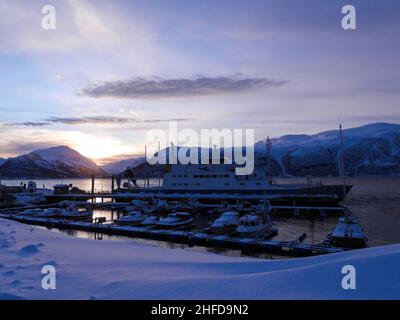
[227, 184]
[242, 183]
[201, 176]
[214, 176]
[227, 176]
[195, 176]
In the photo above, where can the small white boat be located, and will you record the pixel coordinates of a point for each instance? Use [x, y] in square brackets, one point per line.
[176, 220]
[226, 223]
[254, 225]
[348, 233]
[132, 219]
[150, 221]
[50, 213]
[72, 213]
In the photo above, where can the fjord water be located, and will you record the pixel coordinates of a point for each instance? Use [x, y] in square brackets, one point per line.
[375, 200]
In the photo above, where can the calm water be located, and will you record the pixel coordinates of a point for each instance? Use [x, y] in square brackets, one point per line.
[101, 184]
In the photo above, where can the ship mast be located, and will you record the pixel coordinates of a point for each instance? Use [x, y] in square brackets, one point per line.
[269, 146]
[158, 154]
[342, 160]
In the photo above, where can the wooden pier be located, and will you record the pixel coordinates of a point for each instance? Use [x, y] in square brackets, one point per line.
[290, 248]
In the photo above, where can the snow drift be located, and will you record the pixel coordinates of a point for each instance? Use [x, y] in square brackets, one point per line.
[88, 269]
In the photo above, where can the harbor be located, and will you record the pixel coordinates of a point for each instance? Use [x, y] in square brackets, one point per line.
[189, 219]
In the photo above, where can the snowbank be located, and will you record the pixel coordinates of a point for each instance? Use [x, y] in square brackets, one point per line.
[126, 270]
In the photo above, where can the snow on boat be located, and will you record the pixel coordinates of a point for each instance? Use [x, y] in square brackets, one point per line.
[176, 220]
[133, 218]
[348, 233]
[32, 212]
[150, 221]
[50, 213]
[226, 223]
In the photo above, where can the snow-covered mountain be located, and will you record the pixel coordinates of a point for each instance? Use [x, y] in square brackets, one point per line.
[57, 162]
[117, 167]
[373, 149]
[2, 161]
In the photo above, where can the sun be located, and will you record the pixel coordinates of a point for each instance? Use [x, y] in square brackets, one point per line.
[97, 148]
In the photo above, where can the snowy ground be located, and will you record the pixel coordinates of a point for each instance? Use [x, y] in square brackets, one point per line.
[124, 270]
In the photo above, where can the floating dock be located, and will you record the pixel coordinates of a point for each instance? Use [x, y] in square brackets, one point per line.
[289, 248]
[294, 205]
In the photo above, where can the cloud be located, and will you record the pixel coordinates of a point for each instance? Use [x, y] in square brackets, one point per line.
[26, 124]
[145, 88]
[105, 120]
[89, 120]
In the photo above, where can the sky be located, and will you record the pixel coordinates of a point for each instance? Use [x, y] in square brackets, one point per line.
[112, 70]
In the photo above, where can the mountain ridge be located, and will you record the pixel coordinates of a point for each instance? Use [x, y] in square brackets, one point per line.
[55, 162]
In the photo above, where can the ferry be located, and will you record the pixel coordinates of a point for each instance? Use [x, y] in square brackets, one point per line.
[221, 179]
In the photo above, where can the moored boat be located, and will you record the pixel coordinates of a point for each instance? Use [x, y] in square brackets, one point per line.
[72, 213]
[176, 220]
[50, 213]
[226, 223]
[255, 225]
[348, 233]
[150, 221]
[131, 219]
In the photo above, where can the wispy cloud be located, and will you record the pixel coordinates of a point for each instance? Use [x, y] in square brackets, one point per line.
[26, 124]
[147, 88]
[89, 120]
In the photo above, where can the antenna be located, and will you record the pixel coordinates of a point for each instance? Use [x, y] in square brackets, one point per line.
[342, 160]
